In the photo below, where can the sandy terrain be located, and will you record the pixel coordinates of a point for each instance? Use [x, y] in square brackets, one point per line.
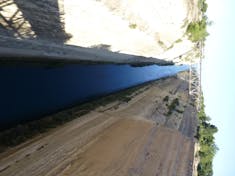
[141, 28]
[121, 139]
[158, 25]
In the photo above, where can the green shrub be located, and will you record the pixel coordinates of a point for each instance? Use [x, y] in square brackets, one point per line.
[197, 31]
[166, 98]
[133, 26]
[172, 106]
[205, 136]
[178, 41]
[161, 43]
[202, 5]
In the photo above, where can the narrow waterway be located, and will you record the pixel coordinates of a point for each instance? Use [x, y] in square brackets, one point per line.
[28, 92]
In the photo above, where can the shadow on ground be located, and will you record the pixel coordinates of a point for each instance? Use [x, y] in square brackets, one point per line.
[33, 19]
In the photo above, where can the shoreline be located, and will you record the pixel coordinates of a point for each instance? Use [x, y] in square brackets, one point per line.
[104, 129]
[84, 108]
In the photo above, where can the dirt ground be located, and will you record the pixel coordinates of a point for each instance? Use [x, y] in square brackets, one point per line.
[137, 138]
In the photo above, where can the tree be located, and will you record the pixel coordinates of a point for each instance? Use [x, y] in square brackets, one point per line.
[206, 140]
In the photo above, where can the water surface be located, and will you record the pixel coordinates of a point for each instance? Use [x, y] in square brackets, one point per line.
[28, 92]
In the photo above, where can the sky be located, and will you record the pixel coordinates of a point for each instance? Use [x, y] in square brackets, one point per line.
[218, 82]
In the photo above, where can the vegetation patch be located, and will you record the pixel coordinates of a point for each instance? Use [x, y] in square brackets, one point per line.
[178, 41]
[170, 47]
[161, 43]
[179, 111]
[202, 5]
[208, 148]
[173, 106]
[166, 98]
[197, 31]
[133, 26]
[185, 24]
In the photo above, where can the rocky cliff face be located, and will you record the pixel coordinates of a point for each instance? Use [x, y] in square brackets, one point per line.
[141, 28]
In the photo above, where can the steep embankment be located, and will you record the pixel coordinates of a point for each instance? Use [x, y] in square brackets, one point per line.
[150, 132]
[139, 28]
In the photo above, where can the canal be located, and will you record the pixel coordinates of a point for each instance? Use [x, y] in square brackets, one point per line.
[28, 92]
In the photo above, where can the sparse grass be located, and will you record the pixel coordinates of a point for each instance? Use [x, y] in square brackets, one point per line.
[126, 99]
[197, 55]
[161, 43]
[179, 111]
[172, 106]
[202, 5]
[185, 24]
[178, 41]
[170, 47]
[133, 26]
[166, 98]
[197, 31]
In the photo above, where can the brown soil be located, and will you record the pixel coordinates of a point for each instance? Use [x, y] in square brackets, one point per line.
[121, 139]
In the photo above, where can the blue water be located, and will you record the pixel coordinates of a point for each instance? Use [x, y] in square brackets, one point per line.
[30, 92]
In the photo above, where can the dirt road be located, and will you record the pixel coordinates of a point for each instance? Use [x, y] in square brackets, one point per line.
[137, 138]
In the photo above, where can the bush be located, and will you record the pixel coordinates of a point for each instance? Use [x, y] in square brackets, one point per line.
[132, 26]
[178, 41]
[166, 98]
[197, 30]
[205, 136]
[172, 106]
[202, 5]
